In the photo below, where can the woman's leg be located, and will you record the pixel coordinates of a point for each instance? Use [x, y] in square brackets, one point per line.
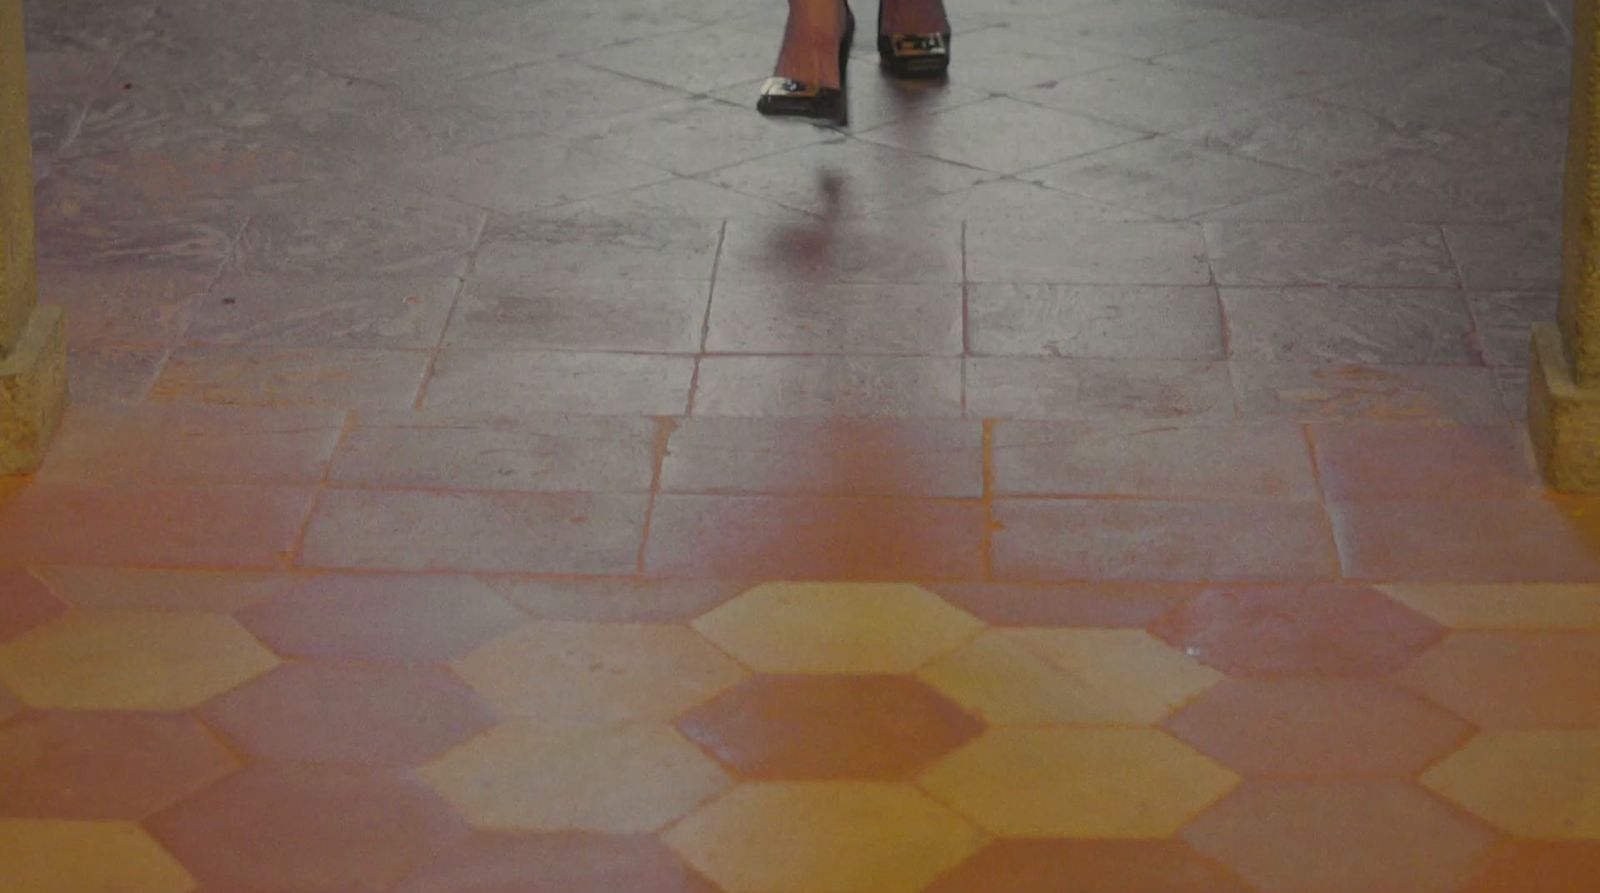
[810, 52]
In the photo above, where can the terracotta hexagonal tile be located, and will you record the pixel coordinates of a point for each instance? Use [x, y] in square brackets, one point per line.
[382, 617]
[312, 828]
[70, 856]
[560, 863]
[858, 628]
[1328, 630]
[559, 672]
[9, 705]
[136, 589]
[613, 600]
[1292, 837]
[1023, 676]
[1078, 782]
[618, 779]
[1318, 728]
[819, 727]
[1535, 784]
[1529, 866]
[824, 837]
[1089, 866]
[350, 713]
[112, 660]
[1504, 606]
[1514, 679]
[104, 765]
[1100, 604]
[25, 603]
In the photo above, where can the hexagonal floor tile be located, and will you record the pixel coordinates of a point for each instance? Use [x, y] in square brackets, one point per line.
[137, 589]
[1535, 784]
[1294, 837]
[1318, 728]
[614, 600]
[859, 628]
[1328, 630]
[418, 617]
[9, 704]
[1025, 676]
[1089, 866]
[617, 779]
[1536, 866]
[111, 660]
[802, 727]
[350, 713]
[40, 855]
[1514, 679]
[25, 603]
[560, 672]
[1529, 606]
[560, 863]
[1099, 604]
[824, 837]
[1078, 782]
[104, 765]
[311, 828]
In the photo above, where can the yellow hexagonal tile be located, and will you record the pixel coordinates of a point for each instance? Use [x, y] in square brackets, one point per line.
[1034, 676]
[824, 837]
[85, 857]
[1079, 782]
[838, 627]
[1523, 606]
[1538, 784]
[113, 660]
[628, 779]
[584, 673]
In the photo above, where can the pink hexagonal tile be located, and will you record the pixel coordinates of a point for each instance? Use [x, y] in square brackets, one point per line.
[1318, 728]
[1018, 865]
[137, 589]
[9, 705]
[1293, 837]
[25, 602]
[1508, 680]
[1084, 604]
[351, 713]
[382, 617]
[1332, 630]
[571, 862]
[829, 726]
[1529, 866]
[615, 600]
[308, 828]
[104, 765]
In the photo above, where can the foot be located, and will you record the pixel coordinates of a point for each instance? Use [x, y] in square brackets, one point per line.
[914, 17]
[810, 52]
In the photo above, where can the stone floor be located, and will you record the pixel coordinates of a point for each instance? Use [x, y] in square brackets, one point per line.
[454, 378]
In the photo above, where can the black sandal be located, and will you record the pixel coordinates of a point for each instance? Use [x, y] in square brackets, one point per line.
[913, 55]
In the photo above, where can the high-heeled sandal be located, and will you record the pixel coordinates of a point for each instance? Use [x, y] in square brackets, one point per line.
[913, 55]
[788, 98]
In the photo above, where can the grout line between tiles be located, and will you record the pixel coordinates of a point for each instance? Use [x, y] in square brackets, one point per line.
[705, 321]
[450, 317]
[664, 429]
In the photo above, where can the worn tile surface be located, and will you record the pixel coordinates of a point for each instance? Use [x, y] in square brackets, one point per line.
[500, 461]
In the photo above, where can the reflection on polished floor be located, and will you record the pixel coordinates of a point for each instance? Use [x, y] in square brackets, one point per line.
[500, 461]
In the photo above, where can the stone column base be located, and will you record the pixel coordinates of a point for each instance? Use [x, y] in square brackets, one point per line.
[33, 391]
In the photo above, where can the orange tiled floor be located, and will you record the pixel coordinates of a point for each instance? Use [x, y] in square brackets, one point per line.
[500, 461]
